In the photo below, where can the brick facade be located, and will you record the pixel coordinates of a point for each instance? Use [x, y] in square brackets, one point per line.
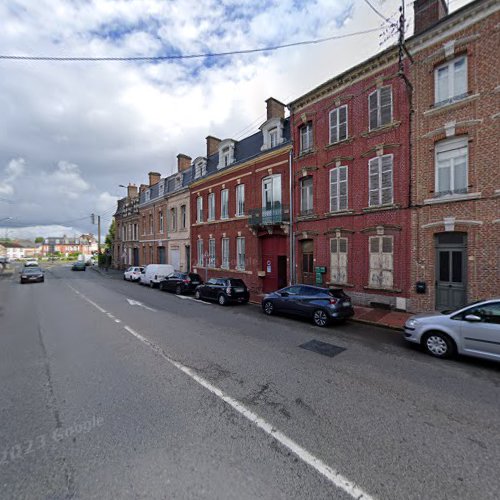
[359, 219]
[469, 211]
[126, 242]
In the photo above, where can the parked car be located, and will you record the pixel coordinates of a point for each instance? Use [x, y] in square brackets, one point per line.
[154, 273]
[32, 275]
[79, 266]
[223, 290]
[133, 273]
[181, 282]
[323, 305]
[473, 330]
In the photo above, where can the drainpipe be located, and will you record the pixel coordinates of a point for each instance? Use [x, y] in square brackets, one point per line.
[291, 232]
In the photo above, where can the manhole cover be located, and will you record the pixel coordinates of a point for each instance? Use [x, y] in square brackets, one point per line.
[322, 348]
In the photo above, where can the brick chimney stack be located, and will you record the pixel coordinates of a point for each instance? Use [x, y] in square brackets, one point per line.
[131, 191]
[275, 109]
[212, 145]
[183, 162]
[428, 13]
[143, 187]
[154, 178]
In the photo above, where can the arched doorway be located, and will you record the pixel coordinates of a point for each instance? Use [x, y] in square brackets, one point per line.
[451, 270]
[307, 261]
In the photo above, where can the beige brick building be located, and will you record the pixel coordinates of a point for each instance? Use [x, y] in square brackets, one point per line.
[456, 166]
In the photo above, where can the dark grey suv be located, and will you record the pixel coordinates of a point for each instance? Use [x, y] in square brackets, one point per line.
[321, 304]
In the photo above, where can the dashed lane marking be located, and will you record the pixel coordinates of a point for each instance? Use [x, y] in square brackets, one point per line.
[337, 479]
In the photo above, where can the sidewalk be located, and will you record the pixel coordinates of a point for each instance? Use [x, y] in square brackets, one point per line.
[111, 273]
[381, 317]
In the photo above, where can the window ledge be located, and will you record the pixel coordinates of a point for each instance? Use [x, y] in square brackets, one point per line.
[452, 198]
[382, 289]
[307, 217]
[378, 208]
[332, 145]
[381, 130]
[344, 285]
[304, 154]
[338, 213]
[452, 105]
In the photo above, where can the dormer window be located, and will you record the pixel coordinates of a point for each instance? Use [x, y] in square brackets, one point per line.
[161, 188]
[200, 167]
[178, 182]
[147, 195]
[272, 133]
[226, 153]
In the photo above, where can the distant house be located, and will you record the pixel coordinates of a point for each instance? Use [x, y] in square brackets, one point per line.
[84, 244]
[13, 250]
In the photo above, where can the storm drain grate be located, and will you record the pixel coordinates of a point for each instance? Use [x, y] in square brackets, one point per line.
[329, 350]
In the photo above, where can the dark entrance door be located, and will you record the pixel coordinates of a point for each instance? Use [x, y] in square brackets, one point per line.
[451, 270]
[188, 258]
[307, 251]
[282, 271]
[161, 255]
[135, 257]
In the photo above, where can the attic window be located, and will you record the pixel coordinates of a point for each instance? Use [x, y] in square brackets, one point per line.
[199, 169]
[226, 153]
[147, 195]
[272, 133]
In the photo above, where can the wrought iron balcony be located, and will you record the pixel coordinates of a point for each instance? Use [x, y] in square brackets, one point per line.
[269, 216]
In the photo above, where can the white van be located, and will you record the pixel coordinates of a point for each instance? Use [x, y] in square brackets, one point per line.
[154, 273]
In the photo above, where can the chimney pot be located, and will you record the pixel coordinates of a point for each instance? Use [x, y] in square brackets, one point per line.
[428, 13]
[154, 178]
[183, 162]
[275, 109]
[132, 191]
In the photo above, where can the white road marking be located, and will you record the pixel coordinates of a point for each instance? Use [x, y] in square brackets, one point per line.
[140, 304]
[183, 297]
[316, 463]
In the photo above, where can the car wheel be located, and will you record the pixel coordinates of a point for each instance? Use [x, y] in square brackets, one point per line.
[178, 290]
[439, 345]
[268, 307]
[125, 278]
[151, 284]
[197, 295]
[222, 299]
[320, 318]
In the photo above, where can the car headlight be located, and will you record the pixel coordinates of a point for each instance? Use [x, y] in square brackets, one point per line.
[412, 323]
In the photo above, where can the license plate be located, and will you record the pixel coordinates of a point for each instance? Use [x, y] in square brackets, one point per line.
[195, 282]
[239, 290]
[347, 304]
[33, 278]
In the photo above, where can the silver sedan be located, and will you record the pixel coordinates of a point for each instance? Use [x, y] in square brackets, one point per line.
[473, 330]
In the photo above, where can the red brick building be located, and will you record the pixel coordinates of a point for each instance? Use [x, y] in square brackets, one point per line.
[126, 241]
[456, 175]
[240, 206]
[352, 183]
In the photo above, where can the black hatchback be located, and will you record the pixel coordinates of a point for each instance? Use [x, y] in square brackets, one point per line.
[181, 283]
[223, 290]
[322, 305]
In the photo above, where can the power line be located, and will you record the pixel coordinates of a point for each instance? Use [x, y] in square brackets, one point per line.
[189, 56]
[385, 18]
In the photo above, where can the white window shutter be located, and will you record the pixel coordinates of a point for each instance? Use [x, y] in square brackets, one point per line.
[343, 188]
[385, 105]
[334, 200]
[374, 182]
[386, 180]
[342, 132]
[333, 126]
[373, 110]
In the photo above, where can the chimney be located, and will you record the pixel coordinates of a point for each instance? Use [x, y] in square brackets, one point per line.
[183, 162]
[131, 191]
[143, 187]
[428, 13]
[275, 109]
[154, 178]
[212, 145]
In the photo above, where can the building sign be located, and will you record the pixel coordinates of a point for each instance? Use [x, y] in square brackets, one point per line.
[268, 266]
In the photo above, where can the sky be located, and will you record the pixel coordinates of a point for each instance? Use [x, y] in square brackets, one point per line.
[72, 132]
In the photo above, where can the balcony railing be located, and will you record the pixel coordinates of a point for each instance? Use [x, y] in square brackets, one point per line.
[269, 216]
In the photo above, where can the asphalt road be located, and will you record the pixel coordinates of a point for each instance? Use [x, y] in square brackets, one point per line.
[172, 398]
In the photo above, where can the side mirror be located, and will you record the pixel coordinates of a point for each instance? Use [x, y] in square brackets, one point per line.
[472, 318]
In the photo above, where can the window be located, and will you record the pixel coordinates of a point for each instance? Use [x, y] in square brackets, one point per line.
[200, 252]
[451, 166]
[306, 138]
[211, 253]
[338, 260]
[338, 124]
[160, 219]
[273, 137]
[143, 224]
[338, 189]
[150, 223]
[183, 216]
[450, 81]
[199, 209]
[489, 313]
[173, 219]
[211, 206]
[161, 188]
[240, 199]
[225, 253]
[240, 253]
[380, 180]
[200, 168]
[306, 195]
[271, 192]
[224, 204]
[147, 195]
[381, 261]
[380, 104]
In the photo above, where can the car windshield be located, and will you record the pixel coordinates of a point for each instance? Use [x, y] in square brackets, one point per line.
[32, 270]
[452, 311]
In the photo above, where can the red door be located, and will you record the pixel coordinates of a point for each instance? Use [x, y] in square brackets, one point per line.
[273, 251]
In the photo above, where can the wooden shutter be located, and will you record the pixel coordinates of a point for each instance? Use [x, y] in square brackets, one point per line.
[334, 263]
[333, 126]
[385, 105]
[343, 188]
[334, 199]
[373, 110]
[342, 253]
[342, 130]
[387, 268]
[375, 262]
[386, 180]
[374, 182]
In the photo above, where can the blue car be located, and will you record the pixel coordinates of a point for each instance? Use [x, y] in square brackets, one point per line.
[322, 305]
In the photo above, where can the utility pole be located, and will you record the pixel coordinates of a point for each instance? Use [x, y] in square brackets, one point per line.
[93, 221]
